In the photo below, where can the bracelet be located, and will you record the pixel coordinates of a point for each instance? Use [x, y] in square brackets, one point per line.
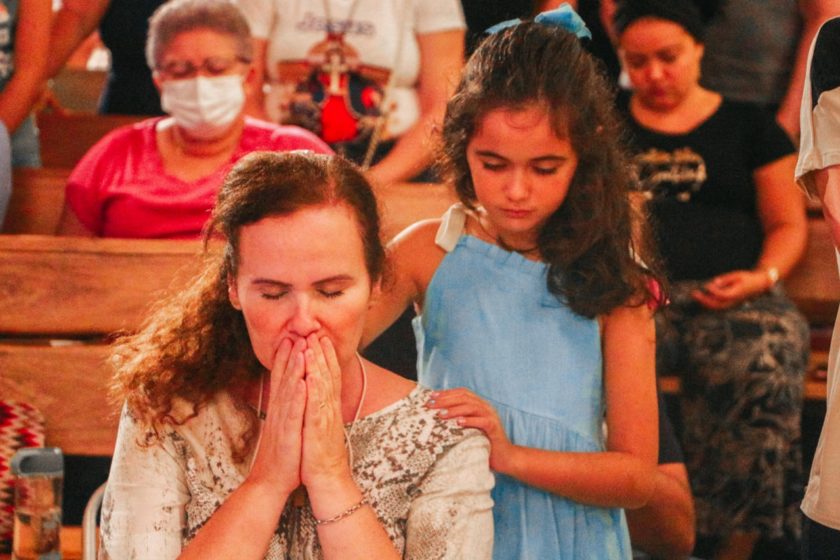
[772, 275]
[346, 513]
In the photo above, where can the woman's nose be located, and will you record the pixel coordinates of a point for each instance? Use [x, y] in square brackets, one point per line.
[303, 321]
[655, 71]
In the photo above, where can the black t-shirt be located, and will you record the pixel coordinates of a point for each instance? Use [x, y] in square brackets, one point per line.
[701, 188]
[123, 29]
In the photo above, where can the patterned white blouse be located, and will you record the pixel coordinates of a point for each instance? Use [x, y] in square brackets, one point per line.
[427, 479]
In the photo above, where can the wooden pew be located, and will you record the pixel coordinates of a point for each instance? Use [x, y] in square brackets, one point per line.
[81, 290]
[66, 137]
[37, 200]
[814, 284]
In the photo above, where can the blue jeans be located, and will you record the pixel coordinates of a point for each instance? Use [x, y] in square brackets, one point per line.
[26, 147]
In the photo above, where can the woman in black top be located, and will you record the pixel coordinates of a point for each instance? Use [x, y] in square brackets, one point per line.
[730, 222]
[123, 25]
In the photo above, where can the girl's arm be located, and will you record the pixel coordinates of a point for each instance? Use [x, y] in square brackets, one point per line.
[664, 528]
[413, 258]
[781, 208]
[441, 59]
[32, 43]
[621, 476]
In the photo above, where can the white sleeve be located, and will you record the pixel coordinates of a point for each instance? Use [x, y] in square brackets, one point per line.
[260, 16]
[438, 15]
[143, 509]
[820, 112]
[452, 518]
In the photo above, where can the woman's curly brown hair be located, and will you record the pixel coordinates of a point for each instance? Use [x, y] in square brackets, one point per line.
[195, 343]
[588, 243]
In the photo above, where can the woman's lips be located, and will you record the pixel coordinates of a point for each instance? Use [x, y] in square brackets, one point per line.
[516, 213]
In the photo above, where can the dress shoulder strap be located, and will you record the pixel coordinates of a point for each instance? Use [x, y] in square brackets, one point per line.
[451, 227]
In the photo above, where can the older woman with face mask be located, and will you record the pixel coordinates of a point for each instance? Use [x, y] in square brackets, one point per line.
[159, 178]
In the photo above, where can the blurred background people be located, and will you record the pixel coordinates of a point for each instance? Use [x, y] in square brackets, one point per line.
[24, 44]
[371, 78]
[123, 27]
[159, 178]
[756, 50]
[730, 224]
[818, 171]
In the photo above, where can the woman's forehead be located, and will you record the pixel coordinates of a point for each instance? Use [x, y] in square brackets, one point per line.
[328, 232]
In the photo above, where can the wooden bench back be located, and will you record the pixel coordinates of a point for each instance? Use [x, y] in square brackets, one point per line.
[37, 200]
[66, 137]
[814, 285]
[81, 291]
[68, 384]
[78, 287]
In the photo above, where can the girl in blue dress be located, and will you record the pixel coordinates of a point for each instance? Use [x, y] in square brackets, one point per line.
[535, 320]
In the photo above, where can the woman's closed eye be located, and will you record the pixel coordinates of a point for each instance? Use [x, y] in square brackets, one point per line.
[493, 165]
[273, 295]
[331, 294]
[335, 287]
[545, 169]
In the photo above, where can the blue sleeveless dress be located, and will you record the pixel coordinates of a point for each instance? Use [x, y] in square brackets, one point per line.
[490, 324]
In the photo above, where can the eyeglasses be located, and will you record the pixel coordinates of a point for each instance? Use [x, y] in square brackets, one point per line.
[213, 66]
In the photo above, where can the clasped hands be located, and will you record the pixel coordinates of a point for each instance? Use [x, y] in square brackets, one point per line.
[302, 440]
[730, 289]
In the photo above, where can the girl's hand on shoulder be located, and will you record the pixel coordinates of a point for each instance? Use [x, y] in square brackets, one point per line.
[324, 459]
[471, 411]
[730, 289]
[278, 456]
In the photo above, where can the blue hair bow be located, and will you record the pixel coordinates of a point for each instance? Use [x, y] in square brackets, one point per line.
[565, 16]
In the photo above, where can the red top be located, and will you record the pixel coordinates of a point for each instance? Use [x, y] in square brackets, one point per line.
[121, 189]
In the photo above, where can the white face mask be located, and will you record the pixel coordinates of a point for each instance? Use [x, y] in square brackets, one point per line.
[205, 107]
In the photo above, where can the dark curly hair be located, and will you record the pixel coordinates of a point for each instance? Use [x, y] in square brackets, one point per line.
[195, 343]
[588, 241]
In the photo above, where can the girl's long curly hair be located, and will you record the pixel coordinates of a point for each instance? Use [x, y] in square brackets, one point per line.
[195, 343]
[589, 242]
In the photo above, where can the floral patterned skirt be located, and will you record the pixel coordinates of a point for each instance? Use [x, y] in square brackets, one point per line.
[742, 375]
